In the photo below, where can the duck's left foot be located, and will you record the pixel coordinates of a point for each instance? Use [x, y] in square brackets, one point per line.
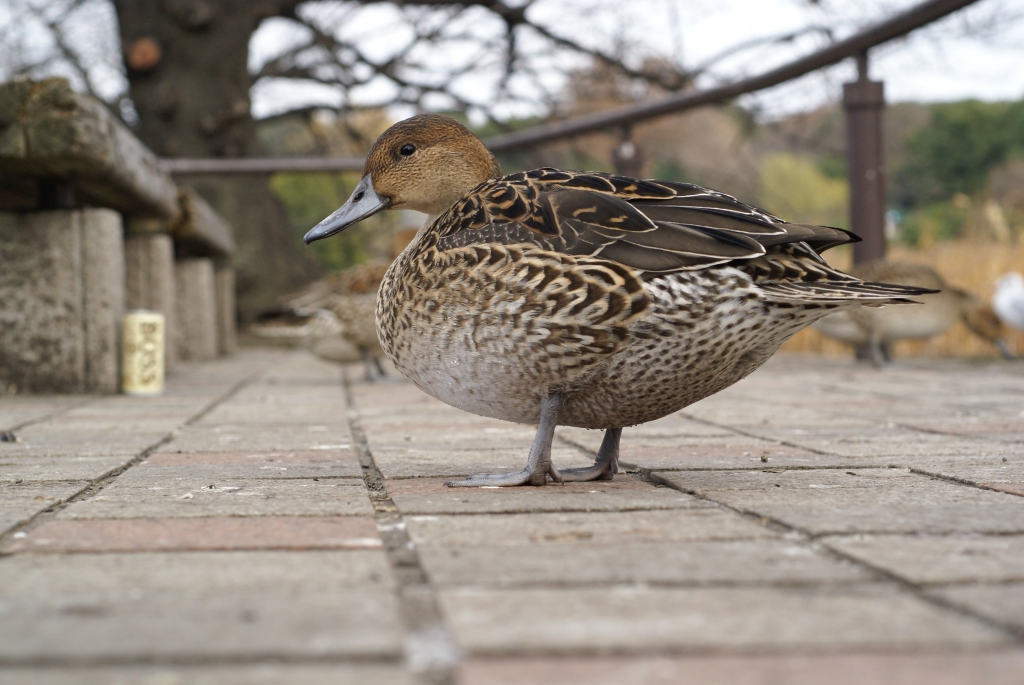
[538, 467]
[606, 465]
[502, 480]
[374, 370]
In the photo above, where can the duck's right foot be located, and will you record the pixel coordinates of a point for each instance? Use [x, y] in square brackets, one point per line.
[538, 467]
[606, 464]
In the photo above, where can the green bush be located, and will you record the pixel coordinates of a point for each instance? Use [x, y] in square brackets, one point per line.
[935, 222]
[311, 197]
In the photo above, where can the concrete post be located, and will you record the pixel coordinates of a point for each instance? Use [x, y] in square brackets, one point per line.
[62, 279]
[864, 102]
[103, 302]
[196, 319]
[149, 283]
[227, 338]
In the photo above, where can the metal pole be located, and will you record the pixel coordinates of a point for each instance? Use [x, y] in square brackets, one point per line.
[864, 102]
[627, 156]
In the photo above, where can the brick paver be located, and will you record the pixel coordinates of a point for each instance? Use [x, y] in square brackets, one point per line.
[269, 521]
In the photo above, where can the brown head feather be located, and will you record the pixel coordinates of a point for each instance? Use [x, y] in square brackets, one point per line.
[446, 162]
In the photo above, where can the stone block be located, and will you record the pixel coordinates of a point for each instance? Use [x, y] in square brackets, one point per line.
[939, 559]
[21, 501]
[584, 563]
[61, 300]
[986, 668]
[266, 437]
[430, 496]
[270, 673]
[149, 283]
[699, 523]
[133, 625]
[91, 436]
[840, 501]
[199, 229]
[227, 335]
[650, 619]
[143, 494]
[340, 463]
[17, 410]
[67, 468]
[49, 131]
[1000, 602]
[199, 534]
[103, 279]
[414, 462]
[196, 302]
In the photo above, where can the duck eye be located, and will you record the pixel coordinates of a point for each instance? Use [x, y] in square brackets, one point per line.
[407, 150]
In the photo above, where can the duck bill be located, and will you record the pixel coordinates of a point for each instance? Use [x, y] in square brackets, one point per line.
[364, 202]
[1004, 349]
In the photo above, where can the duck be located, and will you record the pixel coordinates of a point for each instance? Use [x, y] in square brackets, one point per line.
[342, 307]
[355, 305]
[877, 329]
[575, 298]
[1008, 301]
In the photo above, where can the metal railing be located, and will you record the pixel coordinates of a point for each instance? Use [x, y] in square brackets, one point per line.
[857, 44]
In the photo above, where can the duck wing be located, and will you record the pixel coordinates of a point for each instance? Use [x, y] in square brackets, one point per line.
[655, 227]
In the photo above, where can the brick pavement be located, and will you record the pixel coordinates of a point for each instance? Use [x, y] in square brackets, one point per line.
[269, 521]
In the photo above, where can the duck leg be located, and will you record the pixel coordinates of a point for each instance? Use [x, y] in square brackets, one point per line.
[368, 364]
[538, 466]
[606, 464]
[877, 348]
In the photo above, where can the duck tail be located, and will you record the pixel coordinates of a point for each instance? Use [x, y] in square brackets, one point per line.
[852, 291]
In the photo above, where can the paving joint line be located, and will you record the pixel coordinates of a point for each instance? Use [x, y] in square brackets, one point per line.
[97, 484]
[748, 434]
[821, 545]
[957, 481]
[184, 660]
[910, 426]
[46, 417]
[911, 469]
[430, 651]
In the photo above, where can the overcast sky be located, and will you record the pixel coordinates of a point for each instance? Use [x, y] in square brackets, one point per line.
[976, 53]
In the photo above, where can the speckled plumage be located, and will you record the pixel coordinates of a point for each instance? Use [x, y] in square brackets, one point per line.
[582, 298]
[487, 311]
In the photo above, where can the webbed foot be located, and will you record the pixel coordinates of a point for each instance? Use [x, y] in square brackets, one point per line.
[502, 480]
[606, 464]
[538, 467]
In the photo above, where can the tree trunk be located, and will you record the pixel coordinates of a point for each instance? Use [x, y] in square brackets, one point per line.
[187, 65]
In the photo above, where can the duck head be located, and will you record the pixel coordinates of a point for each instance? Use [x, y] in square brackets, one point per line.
[981, 319]
[426, 163]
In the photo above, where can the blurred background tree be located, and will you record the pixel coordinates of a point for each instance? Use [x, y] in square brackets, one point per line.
[185, 74]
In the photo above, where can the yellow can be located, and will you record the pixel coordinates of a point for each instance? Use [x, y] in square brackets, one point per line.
[142, 353]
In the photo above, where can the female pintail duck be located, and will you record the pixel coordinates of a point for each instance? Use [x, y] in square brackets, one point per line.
[879, 328]
[580, 298]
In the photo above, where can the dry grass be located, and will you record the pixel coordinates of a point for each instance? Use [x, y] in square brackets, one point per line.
[971, 265]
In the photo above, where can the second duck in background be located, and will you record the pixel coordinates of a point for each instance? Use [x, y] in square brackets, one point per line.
[877, 328]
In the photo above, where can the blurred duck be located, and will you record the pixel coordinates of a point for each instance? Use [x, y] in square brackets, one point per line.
[878, 328]
[1008, 302]
[577, 298]
[355, 303]
[338, 306]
